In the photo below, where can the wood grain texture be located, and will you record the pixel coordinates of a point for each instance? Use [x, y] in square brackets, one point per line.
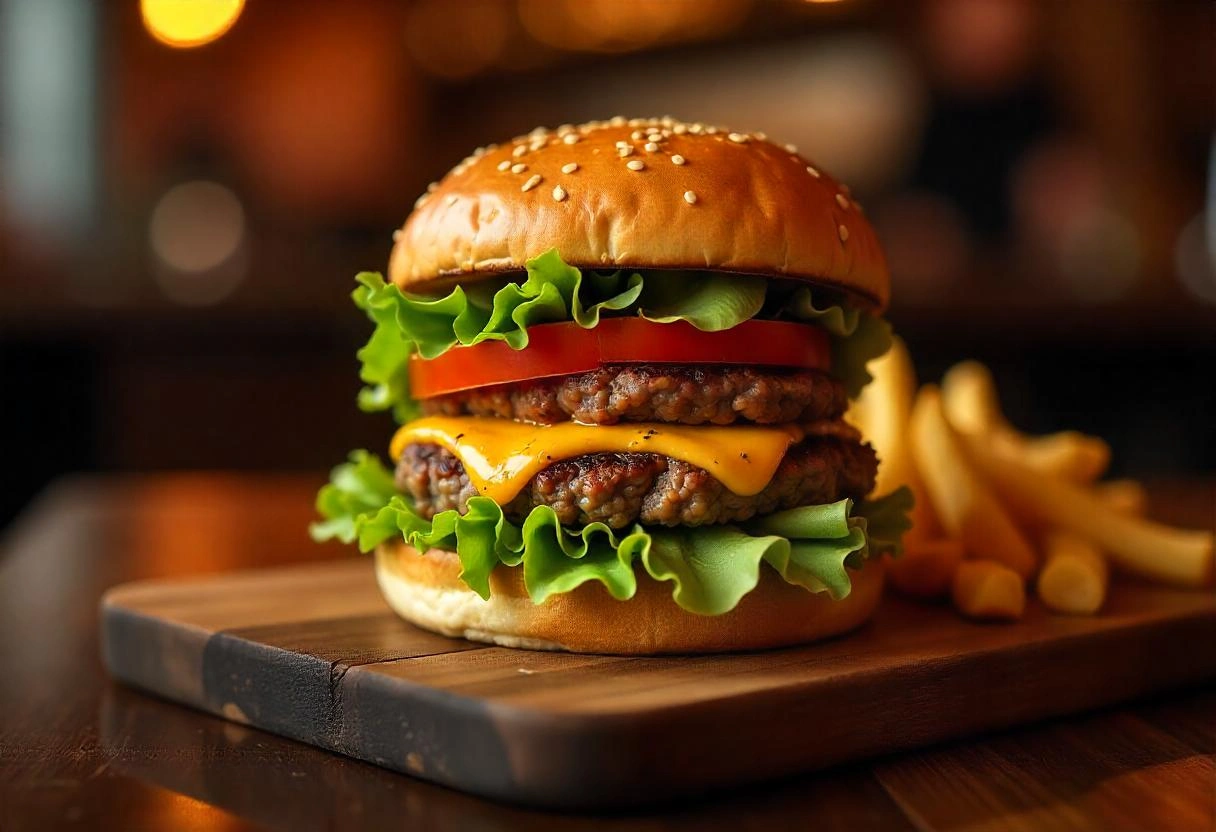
[577, 731]
[1070, 777]
[79, 751]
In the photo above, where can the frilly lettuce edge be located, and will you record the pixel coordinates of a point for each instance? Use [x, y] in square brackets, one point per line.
[556, 291]
[710, 568]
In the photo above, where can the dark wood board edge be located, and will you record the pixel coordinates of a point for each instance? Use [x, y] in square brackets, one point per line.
[614, 760]
[151, 653]
[277, 690]
[587, 760]
[286, 692]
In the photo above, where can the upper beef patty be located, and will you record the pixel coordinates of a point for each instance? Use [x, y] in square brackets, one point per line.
[622, 488]
[690, 395]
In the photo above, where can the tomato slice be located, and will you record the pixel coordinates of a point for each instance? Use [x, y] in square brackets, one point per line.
[566, 348]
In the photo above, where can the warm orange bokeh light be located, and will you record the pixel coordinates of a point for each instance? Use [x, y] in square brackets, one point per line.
[187, 23]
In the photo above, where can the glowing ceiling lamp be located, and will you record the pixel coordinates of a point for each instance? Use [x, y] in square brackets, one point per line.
[187, 23]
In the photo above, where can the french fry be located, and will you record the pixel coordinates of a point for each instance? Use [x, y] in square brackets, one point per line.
[1068, 454]
[971, 404]
[988, 590]
[969, 398]
[881, 413]
[966, 506]
[1074, 576]
[1124, 496]
[883, 409]
[1176, 556]
[926, 568]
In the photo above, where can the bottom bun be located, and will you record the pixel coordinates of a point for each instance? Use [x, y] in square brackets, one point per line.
[426, 590]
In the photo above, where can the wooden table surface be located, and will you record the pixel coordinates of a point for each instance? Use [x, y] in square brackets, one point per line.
[78, 751]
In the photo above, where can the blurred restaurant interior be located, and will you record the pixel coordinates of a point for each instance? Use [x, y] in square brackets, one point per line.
[188, 189]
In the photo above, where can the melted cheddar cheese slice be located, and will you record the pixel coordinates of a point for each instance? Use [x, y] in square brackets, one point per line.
[500, 455]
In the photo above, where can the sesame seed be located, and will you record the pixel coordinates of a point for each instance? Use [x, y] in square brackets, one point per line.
[617, 121]
[637, 122]
[539, 131]
[397, 235]
[844, 233]
[570, 168]
[519, 151]
[453, 199]
[532, 182]
[812, 171]
[738, 138]
[537, 145]
[570, 138]
[680, 129]
[520, 168]
[651, 147]
[622, 144]
[420, 201]
[762, 136]
[504, 165]
[711, 130]
[690, 197]
[559, 193]
[677, 159]
[655, 137]
[636, 135]
[431, 187]
[625, 151]
[696, 129]
[635, 164]
[791, 148]
[564, 129]
[842, 201]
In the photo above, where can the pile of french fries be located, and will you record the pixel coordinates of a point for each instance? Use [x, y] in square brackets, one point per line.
[998, 511]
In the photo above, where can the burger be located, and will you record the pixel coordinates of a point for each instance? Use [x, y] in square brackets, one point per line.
[620, 354]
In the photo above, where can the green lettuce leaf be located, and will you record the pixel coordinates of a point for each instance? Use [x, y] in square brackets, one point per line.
[857, 337]
[711, 302]
[555, 291]
[360, 487]
[710, 568]
[887, 518]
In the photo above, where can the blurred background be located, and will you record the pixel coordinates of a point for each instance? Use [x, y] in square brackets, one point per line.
[188, 187]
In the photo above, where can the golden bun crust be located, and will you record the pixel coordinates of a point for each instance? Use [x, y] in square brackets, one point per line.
[730, 202]
[427, 591]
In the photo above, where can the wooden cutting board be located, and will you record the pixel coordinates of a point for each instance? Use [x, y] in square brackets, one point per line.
[312, 653]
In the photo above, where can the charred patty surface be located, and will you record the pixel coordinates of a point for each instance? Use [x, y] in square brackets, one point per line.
[623, 488]
[689, 395]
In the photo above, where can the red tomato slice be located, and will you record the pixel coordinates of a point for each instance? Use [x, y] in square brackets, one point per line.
[566, 348]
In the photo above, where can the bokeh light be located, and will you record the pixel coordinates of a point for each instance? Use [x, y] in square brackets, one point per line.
[1195, 258]
[187, 23]
[195, 233]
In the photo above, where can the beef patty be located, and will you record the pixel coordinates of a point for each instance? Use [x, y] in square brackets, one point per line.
[623, 488]
[689, 395]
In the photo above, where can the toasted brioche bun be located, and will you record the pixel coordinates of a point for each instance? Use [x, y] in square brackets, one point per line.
[736, 203]
[426, 590]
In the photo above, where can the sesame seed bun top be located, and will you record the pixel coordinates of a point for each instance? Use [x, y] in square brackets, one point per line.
[640, 193]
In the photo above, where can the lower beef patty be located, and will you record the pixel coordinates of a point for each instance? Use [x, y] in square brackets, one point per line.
[622, 488]
[690, 395]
